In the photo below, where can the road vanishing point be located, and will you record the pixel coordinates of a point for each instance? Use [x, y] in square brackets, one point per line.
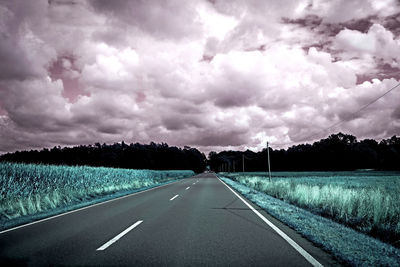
[197, 221]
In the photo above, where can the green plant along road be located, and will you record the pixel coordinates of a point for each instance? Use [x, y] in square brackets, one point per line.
[29, 190]
[368, 201]
[194, 221]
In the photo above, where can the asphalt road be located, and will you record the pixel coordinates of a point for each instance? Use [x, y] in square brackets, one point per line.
[197, 221]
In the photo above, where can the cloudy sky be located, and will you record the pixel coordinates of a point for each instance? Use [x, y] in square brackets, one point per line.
[208, 74]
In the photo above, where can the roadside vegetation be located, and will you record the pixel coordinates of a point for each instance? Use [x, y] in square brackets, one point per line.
[118, 155]
[30, 189]
[338, 152]
[347, 245]
[367, 201]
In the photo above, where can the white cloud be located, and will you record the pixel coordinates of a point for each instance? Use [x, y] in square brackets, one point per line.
[377, 42]
[112, 68]
[216, 25]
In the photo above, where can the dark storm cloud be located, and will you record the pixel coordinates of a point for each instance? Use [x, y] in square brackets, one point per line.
[218, 139]
[236, 91]
[160, 18]
[396, 113]
[212, 74]
[14, 59]
[392, 23]
[381, 71]
[14, 64]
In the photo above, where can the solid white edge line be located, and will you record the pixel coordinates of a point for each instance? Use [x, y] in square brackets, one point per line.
[297, 247]
[187, 188]
[83, 208]
[174, 197]
[115, 239]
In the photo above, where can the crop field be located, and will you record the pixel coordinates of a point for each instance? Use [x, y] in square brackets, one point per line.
[28, 189]
[368, 201]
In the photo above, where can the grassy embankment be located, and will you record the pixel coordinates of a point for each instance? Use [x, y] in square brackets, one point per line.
[348, 246]
[27, 190]
[367, 201]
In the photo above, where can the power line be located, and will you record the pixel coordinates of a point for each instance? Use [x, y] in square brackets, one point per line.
[344, 120]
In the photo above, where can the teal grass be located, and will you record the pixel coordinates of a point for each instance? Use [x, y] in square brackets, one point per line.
[348, 246]
[30, 192]
[367, 201]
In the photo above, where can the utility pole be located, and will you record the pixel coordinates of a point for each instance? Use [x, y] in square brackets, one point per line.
[242, 162]
[269, 165]
[233, 166]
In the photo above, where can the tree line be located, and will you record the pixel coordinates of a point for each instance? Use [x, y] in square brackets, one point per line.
[337, 152]
[118, 155]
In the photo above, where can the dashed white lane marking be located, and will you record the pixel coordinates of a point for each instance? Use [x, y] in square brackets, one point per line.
[187, 188]
[174, 197]
[299, 249]
[115, 239]
[87, 207]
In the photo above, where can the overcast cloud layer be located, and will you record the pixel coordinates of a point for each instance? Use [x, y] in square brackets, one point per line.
[209, 74]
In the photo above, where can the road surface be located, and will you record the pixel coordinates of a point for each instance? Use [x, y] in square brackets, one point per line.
[196, 221]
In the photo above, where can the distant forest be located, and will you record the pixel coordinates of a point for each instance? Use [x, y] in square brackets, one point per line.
[335, 153]
[118, 155]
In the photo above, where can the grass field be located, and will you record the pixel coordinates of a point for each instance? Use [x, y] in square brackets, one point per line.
[348, 246]
[368, 201]
[29, 189]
